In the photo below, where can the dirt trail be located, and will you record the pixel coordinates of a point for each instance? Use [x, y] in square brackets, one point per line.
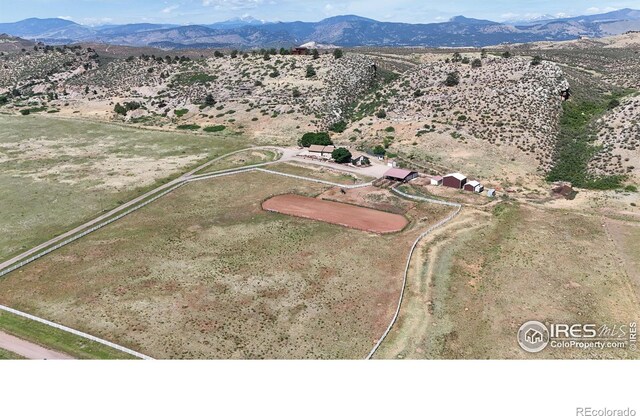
[415, 317]
[29, 350]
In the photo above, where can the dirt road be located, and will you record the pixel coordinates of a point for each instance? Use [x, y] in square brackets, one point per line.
[408, 338]
[29, 350]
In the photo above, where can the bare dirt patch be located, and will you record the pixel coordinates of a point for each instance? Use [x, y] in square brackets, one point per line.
[350, 216]
[28, 349]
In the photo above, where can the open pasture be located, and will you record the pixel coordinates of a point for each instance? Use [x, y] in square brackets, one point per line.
[56, 174]
[204, 272]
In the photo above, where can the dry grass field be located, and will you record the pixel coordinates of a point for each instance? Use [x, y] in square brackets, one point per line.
[485, 275]
[319, 172]
[240, 159]
[206, 273]
[59, 173]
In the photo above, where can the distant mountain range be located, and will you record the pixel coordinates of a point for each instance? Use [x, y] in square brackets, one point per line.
[347, 31]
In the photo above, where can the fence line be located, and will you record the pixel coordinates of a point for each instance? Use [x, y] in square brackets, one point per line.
[229, 171]
[406, 269]
[362, 185]
[160, 195]
[211, 175]
[90, 230]
[424, 199]
[75, 332]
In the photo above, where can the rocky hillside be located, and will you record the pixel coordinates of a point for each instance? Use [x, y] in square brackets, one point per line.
[37, 68]
[495, 107]
[236, 90]
[619, 138]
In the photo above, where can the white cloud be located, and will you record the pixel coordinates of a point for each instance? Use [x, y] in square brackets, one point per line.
[232, 4]
[598, 10]
[95, 21]
[65, 17]
[169, 9]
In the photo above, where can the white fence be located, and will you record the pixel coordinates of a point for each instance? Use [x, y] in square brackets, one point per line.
[361, 185]
[75, 332]
[423, 199]
[210, 176]
[413, 248]
[85, 232]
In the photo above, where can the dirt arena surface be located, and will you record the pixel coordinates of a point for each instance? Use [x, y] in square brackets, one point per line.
[350, 216]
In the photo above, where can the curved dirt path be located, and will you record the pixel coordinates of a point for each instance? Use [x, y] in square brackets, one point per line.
[416, 317]
[429, 231]
[29, 350]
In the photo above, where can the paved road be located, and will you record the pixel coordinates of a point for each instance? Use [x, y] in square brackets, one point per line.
[28, 349]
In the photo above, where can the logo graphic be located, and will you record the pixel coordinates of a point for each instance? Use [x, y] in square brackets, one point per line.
[533, 336]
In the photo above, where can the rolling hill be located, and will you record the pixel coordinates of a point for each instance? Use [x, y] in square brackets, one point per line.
[346, 31]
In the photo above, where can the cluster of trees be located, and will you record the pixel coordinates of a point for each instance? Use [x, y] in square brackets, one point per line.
[453, 79]
[311, 72]
[339, 126]
[476, 63]
[320, 138]
[379, 150]
[159, 59]
[128, 106]
[341, 155]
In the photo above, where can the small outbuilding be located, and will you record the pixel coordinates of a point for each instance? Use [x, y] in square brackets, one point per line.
[454, 180]
[361, 161]
[400, 175]
[299, 51]
[491, 193]
[436, 180]
[473, 186]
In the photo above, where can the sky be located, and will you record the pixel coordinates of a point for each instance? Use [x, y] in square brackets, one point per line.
[98, 12]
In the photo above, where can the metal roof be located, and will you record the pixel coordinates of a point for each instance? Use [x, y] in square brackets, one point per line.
[459, 176]
[398, 173]
[321, 149]
[473, 183]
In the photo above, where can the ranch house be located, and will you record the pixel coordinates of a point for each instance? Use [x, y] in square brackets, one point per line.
[320, 150]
